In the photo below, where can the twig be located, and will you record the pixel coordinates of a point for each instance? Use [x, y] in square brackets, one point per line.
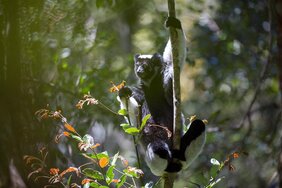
[262, 74]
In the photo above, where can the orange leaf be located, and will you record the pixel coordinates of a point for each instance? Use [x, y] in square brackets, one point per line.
[70, 169]
[118, 87]
[69, 128]
[235, 155]
[54, 171]
[84, 181]
[66, 133]
[95, 146]
[115, 180]
[103, 162]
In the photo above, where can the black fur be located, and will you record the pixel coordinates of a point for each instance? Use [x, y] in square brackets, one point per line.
[154, 95]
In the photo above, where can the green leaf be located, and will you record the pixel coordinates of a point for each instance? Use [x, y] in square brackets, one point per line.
[132, 131]
[114, 160]
[125, 126]
[110, 174]
[89, 172]
[144, 121]
[69, 180]
[76, 138]
[103, 186]
[122, 112]
[94, 185]
[213, 171]
[122, 181]
[103, 154]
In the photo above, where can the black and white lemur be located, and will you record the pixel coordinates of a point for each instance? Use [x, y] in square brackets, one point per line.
[155, 96]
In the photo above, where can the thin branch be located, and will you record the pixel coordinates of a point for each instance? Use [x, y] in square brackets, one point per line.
[176, 79]
[263, 72]
[169, 178]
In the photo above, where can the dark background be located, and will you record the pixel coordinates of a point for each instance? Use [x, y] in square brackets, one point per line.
[52, 52]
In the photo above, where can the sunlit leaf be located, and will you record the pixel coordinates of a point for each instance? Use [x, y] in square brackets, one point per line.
[84, 181]
[94, 185]
[144, 121]
[77, 138]
[89, 172]
[132, 131]
[54, 171]
[122, 112]
[114, 160]
[110, 174]
[95, 146]
[69, 128]
[116, 88]
[122, 181]
[103, 162]
[68, 170]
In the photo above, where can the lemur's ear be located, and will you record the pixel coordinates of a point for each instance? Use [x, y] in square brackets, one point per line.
[136, 57]
[157, 58]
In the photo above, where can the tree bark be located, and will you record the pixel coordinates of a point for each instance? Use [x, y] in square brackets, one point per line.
[169, 178]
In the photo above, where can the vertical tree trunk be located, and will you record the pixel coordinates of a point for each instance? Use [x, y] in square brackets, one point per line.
[169, 178]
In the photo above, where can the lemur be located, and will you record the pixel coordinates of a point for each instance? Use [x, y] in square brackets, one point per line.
[155, 96]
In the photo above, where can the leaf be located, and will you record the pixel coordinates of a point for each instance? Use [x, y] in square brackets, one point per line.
[89, 172]
[54, 171]
[70, 128]
[213, 171]
[69, 180]
[116, 88]
[122, 181]
[144, 121]
[110, 174]
[214, 162]
[132, 131]
[94, 185]
[133, 172]
[103, 162]
[122, 112]
[68, 170]
[236, 155]
[95, 146]
[114, 160]
[77, 138]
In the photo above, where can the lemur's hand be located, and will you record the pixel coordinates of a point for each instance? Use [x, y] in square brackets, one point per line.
[173, 22]
[125, 92]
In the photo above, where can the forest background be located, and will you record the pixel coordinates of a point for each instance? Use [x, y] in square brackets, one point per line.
[53, 52]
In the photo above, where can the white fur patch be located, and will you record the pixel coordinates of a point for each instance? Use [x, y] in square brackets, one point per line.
[145, 56]
[156, 164]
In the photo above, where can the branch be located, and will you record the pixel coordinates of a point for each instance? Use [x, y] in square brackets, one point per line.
[169, 178]
[176, 80]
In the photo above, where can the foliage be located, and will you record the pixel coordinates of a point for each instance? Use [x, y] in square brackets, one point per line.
[67, 48]
[100, 172]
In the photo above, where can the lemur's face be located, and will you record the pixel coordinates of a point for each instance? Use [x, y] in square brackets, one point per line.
[146, 66]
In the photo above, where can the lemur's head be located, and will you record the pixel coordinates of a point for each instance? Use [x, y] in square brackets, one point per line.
[147, 66]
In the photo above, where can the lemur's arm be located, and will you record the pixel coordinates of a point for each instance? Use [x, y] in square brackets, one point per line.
[167, 54]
